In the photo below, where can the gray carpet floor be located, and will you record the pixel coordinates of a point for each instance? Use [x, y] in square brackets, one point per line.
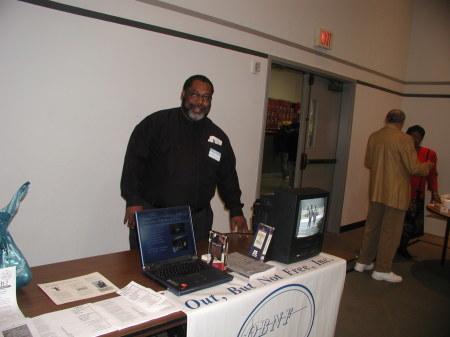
[417, 307]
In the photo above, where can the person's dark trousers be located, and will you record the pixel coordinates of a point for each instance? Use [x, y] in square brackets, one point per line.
[403, 247]
[202, 220]
[132, 237]
[404, 241]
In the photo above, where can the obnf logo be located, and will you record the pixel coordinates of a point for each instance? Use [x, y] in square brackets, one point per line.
[289, 308]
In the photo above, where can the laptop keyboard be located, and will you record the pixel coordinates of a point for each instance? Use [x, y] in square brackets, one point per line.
[180, 268]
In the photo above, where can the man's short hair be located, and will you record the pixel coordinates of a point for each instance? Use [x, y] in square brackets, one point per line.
[395, 116]
[416, 128]
[202, 78]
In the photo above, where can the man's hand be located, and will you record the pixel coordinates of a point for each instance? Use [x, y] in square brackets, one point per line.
[129, 215]
[430, 165]
[239, 224]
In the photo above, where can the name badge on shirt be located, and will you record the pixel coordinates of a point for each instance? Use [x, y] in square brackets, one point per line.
[214, 154]
[214, 140]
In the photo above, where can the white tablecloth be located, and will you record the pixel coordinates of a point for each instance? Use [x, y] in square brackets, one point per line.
[301, 299]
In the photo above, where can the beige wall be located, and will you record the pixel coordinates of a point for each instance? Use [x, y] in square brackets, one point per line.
[363, 30]
[381, 42]
[433, 116]
[429, 50]
[370, 109]
[73, 89]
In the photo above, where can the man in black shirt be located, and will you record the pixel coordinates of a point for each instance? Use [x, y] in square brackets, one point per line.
[178, 157]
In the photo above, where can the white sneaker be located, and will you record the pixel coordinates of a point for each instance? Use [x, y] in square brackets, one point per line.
[363, 267]
[389, 277]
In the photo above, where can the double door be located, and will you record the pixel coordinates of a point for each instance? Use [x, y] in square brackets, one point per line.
[318, 133]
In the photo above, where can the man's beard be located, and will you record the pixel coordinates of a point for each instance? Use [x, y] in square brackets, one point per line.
[195, 116]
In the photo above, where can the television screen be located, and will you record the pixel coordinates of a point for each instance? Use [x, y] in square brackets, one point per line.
[311, 215]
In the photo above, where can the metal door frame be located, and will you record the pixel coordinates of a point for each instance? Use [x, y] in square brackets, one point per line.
[343, 142]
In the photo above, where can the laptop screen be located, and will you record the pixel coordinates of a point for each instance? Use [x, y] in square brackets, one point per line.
[165, 233]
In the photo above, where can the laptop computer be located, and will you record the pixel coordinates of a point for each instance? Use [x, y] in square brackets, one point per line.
[166, 241]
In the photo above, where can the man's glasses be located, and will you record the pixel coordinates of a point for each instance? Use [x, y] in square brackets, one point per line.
[196, 96]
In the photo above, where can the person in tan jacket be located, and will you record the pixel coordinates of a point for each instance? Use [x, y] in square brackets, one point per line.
[391, 159]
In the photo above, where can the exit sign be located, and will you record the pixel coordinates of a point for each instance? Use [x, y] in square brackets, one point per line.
[323, 38]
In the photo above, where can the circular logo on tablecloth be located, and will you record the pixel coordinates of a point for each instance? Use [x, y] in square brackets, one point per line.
[286, 311]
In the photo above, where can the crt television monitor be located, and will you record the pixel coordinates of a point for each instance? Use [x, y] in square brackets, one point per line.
[299, 217]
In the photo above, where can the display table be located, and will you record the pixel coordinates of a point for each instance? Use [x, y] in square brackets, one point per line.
[304, 296]
[119, 268]
[301, 299]
[444, 216]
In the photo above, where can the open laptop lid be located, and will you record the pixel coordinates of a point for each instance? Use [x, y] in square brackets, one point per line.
[165, 235]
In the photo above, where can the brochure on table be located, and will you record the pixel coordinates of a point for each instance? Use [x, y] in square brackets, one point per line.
[78, 288]
[135, 305]
[12, 321]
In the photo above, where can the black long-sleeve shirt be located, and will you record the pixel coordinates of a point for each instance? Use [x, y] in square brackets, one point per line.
[173, 161]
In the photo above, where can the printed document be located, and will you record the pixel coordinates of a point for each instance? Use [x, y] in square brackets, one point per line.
[78, 288]
[9, 310]
[12, 321]
[145, 297]
[80, 321]
[136, 305]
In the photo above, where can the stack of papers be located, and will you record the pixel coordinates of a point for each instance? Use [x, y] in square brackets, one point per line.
[135, 305]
